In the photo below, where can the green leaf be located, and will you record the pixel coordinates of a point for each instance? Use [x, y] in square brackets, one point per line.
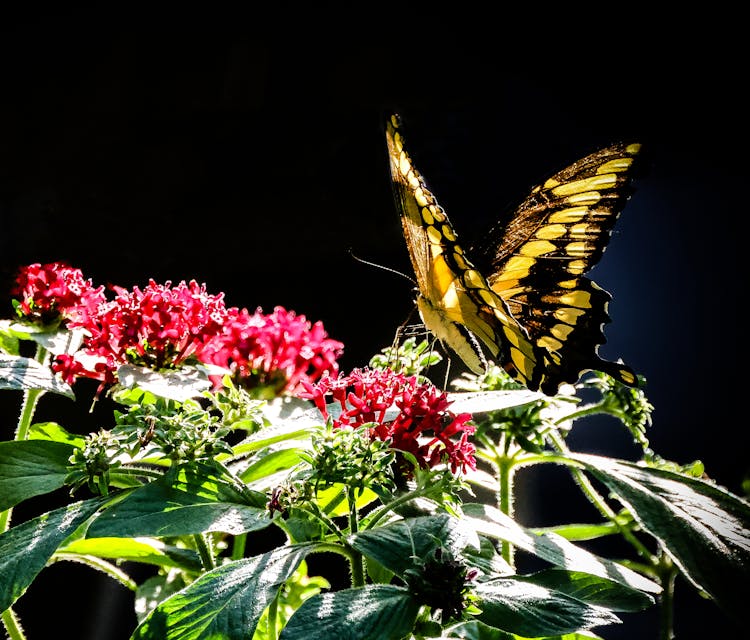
[554, 549]
[53, 431]
[226, 602]
[591, 589]
[581, 531]
[704, 528]
[19, 373]
[187, 500]
[375, 612]
[476, 630]
[145, 550]
[54, 340]
[396, 545]
[30, 468]
[268, 465]
[533, 610]
[25, 549]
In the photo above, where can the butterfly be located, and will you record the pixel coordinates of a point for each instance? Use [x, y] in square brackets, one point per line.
[521, 294]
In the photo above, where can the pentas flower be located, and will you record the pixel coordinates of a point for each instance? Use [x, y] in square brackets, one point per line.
[272, 354]
[48, 293]
[158, 327]
[422, 425]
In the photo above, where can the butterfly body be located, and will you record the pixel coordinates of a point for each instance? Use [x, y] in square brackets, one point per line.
[522, 293]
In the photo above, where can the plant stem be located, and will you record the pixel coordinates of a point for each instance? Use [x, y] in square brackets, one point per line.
[598, 501]
[30, 399]
[12, 625]
[203, 545]
[667, 573]
[505, 474]
[357, 562]
[238, 546]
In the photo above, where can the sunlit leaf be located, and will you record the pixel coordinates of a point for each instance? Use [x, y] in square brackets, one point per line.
[145, 550]
[19, 373]
[30, 468]
[25, 548]
[375, 612]
[553, 548]
[533, 610]
[226, 602]
[703, 527]
[187, 500]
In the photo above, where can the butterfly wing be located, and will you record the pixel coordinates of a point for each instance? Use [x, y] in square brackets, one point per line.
[455, 301]
[537, 261]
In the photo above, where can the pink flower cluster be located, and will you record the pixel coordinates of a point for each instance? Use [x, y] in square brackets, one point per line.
[275, 352]
[162, 326]
[423, 425]
[48, 293]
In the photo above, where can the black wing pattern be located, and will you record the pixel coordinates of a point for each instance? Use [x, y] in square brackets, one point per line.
[526, 299]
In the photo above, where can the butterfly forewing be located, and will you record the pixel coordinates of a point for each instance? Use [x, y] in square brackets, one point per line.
[454, 298]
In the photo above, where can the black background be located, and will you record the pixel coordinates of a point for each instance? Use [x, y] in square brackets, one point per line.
[253, 160]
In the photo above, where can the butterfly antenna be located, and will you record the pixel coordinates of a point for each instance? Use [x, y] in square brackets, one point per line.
[380, 266]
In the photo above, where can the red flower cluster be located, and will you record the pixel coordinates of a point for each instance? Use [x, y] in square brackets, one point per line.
[423, 425]
[273, 353]
[55, 291]
[158, 327]
[161, 326]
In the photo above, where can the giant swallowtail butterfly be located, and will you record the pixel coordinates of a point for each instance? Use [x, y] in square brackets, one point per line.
[521, 294]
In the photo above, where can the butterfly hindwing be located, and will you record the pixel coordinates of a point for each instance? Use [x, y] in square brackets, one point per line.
[527, 300]
[454, 299]
[537, 263]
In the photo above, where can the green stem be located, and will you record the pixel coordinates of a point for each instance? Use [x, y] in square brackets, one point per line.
[357, 561]
[668, 573]
[30, 399]
[273, 610]
[12, 625]
[203, 545]
[505, 502]
[599, 502]
[238, 546]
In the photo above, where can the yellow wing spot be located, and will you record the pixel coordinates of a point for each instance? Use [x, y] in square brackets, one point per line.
[444, 278]
[537, 248]
[577, 249]
[561, 331]
[524, 364]
[568, 284]
[606, 181]
[518, 341]
[460, 261]
[617, 165]
[434, 236]
[421, 198]
[474, 279]
[522, 264]
[578, 298]
[633, 148]
[550, 231]
[437, 213]
[588, 198]
[404, 166]
[569, 215]
[568, 315]
[549, 343]
[582, 230]
[576, 267]
[426, 214]
[448, 233]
